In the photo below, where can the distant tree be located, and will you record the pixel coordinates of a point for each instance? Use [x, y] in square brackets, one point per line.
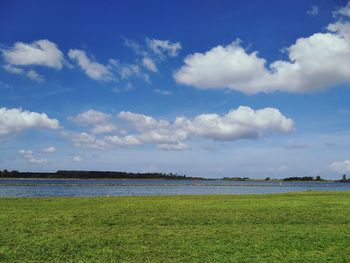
[5, 173]
[344, 177]
[267, 179]
[13, 173]
[318, 178]
[305, 178]
[0, 173]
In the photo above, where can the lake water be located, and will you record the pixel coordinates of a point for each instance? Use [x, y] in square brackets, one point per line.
[119, 187]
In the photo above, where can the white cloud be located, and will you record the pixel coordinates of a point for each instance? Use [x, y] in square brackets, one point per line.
[49, 149]
[163, 47]
[77, 159]
[142, 121]
[129, 70]
[13, 70]
[149, 64]
[101, 121]
[17, 120]
[129, 140]
[90, 117]
[29, 157]
[31, 74]
[240, 123]
[315, 63]
[42, 52]
[91, 68]
[136, 47]
[104, 128]
[126, 71]
[344, 11]
[148, 56]
[173, 147]
[313, 11]
[341, 167]
[84, 139]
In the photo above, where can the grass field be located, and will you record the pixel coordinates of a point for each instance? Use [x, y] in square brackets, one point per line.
[295, 227]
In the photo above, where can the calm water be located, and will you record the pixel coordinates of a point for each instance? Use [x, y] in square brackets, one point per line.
[59, 187]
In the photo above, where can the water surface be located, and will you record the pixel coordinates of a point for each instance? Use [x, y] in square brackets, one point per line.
[139, 187]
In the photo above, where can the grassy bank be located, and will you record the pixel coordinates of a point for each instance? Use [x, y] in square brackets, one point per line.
[296, 227]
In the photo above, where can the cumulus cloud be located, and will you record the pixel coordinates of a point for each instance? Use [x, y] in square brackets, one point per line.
[29, 157]
[341, 167]
[129, 140]
[49, 149]
[85, 139]
[17, 120]
[149, 64]
[13, 70]
[163, 48]
[138, 129]
[314, 63]
[31, 74]
[344, 11]
[41, 52]
[99, 120]
[104, 128]
[239, 123]
[91, 68]
[141, 121]
[90, 117]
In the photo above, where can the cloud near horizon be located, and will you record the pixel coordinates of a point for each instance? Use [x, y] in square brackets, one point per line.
[341, 167]
[30, 157]
[138, 129]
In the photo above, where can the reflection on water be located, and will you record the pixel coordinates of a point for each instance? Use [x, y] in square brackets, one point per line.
[117, 187]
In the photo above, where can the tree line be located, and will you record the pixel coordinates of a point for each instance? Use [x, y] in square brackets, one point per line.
[67, 174]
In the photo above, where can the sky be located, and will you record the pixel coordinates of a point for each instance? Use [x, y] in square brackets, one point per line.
[203, 88]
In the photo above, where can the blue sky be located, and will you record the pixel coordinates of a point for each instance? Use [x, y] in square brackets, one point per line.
[205, 88]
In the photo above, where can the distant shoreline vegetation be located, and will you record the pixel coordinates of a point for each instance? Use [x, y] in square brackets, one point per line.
[81, 174]
[290, 179]
[67, 174]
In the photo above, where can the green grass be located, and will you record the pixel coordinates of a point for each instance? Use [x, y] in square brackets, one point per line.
[294, 227]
